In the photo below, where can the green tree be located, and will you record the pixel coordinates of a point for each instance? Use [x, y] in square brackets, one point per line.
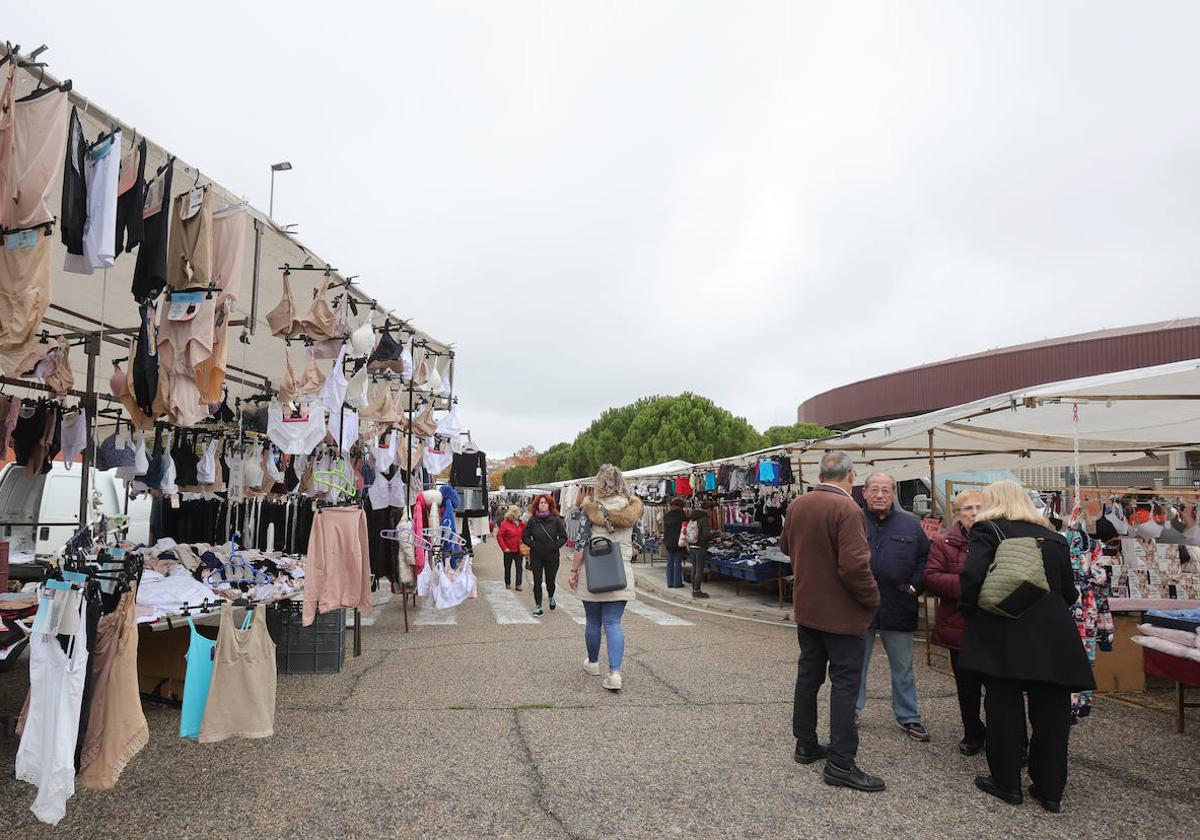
[781, 435]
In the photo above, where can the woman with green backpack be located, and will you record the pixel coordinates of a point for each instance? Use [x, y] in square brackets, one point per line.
[1017, 590]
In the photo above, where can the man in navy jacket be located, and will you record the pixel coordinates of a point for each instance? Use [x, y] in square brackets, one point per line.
[899, 550]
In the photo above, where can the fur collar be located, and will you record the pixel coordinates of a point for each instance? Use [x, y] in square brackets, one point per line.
[622, 512]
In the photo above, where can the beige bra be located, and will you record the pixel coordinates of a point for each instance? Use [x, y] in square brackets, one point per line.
[319, 322]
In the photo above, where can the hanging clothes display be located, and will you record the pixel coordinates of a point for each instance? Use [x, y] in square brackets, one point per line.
[46, 755]
[39, 139]
[241, 695]
[117, 729]
[150, 272]
[73, 218]
[190, 241]
[1091, 612]
[338, 570]
[102, 166]
[200, 656]
[131, 199]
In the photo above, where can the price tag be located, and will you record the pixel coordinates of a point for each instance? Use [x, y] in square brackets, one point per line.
[191, 206]
[21, 240]
[175, 500]
[185, 305]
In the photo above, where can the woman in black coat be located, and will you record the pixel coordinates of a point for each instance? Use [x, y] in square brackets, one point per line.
[1038, 654]
[545, 533]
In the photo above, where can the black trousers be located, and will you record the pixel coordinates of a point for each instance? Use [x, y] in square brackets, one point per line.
[969, 686]
[842, 656]
[698, 556]
[512, 558]
[547, 567]
[1050, 720]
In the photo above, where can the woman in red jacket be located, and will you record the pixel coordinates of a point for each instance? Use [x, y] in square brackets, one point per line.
[946, 558]
[508, 537]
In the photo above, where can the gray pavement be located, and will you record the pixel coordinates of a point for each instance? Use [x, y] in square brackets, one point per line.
[483, 729]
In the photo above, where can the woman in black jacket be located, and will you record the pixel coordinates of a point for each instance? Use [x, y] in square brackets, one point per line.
[545, 534]
[1038, 654]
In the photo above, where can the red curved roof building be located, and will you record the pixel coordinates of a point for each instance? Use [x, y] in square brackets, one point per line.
[966, 378]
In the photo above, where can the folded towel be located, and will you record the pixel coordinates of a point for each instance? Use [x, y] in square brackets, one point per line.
[1168, 647]
[1179, 637]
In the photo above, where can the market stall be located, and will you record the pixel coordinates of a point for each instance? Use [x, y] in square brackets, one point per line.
[293, 442]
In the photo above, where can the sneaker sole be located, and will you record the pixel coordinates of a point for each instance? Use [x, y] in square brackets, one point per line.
[813, 760]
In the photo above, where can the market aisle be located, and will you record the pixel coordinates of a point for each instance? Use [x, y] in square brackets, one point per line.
[481, 728]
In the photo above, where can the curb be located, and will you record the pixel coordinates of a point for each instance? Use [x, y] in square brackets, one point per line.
[645, 584]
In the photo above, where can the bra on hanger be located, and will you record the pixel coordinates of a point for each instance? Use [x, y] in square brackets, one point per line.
[311, 379]
[282, 319]
[320, 321]
[289, 386]
[387, 353]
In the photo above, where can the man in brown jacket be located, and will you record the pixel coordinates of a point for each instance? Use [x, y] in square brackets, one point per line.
[834, 598]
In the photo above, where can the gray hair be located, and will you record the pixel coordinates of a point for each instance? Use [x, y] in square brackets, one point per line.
[835, 465]
[610, 482]
[878, 474]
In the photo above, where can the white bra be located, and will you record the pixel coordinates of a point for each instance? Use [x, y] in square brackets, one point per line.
[296, 437]
[206, 467]
[362, 340]
[356, 389]
[273, 468]
[343, 425]
[168, 486]
[379, 492]
[333, 392]
[385, 456]
[252, 470]
[73, 431]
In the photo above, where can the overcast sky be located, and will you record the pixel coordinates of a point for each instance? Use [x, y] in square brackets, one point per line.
[756, 201]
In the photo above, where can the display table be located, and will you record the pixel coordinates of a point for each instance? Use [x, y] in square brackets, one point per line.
[770, 568]
[1183, 672]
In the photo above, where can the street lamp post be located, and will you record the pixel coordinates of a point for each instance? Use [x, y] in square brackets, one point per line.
[275, 167]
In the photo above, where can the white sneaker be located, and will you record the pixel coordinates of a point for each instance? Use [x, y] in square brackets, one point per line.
[613, 681]
[592, 668]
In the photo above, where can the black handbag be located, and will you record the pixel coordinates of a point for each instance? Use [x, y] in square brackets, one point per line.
[604, 564]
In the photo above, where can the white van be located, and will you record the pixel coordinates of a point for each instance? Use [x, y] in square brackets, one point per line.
[39, 514]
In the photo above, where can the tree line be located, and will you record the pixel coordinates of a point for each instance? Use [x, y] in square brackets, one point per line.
[651, 431]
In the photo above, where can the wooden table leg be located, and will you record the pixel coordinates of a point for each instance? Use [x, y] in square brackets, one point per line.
[1179, 706]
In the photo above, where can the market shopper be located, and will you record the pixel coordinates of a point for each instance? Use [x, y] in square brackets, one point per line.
[946, 557]
[508, 537]
[616, 514]
[899, 550]
[699, 538]
[834, 598]
[673, 521]
[545, 534]
[1036, 655]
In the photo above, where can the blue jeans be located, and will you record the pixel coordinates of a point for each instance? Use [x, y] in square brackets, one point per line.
[608, 614]
[899, 647]
[674, 567]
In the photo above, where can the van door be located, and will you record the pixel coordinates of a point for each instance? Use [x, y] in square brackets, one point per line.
[20, 499]
[60, 504]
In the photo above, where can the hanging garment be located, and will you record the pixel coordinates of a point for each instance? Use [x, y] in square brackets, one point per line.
[388, 353]
[282, 319]
[200, 655]
[235, 481]
[60, 379]
[311, 378]
[384, 455]
[131, 198]
[39, 146]
[289, 386]
[206, 467]
[241, 696]
[150, 272]
[296, 436]
[46, 755]
[343, 428]
[333, 389]
[434, 383]
[73, 218]
[74, 436]
[379, 494]
[337, 572]
[102, 167]
[117, 729]
[450, 586]
[437, 460]
[25, 292]
[229, 251]
[320, 321]
[423, 424]
[449, 426]
[185, 339]
[190, 244]
[7, 130]
[362, 339]
[144, 370]
[356, 388]
[116, 452]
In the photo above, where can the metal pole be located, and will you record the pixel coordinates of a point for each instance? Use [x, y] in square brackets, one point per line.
[271, 206]
[933, 504]
[91, 347]
[258, 233]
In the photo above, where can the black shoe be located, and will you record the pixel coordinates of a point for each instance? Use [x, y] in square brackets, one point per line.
[698, 594]
[809, 754]
[988, 785]
[854, 778]
[1054, 806]
[969, 747]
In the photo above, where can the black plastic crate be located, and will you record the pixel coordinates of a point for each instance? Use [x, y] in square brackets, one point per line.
[319, 648]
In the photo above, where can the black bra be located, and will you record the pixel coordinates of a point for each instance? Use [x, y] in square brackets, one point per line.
[387, 350]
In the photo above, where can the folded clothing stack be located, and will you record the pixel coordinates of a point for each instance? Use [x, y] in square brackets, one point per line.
[1173, 632]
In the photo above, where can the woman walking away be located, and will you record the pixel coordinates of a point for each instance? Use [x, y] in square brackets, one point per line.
[1037, 653]
[615, 514]
[700, 525]
[508, 537]
[946, 557]
[545, 533]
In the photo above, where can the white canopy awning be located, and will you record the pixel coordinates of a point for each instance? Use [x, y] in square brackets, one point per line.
[1121, 417]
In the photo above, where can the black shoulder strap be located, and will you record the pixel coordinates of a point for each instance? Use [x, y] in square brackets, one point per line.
[996, 528]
